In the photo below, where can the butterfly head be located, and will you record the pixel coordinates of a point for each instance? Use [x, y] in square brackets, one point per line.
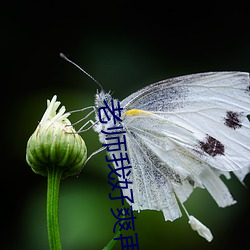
[102, 97]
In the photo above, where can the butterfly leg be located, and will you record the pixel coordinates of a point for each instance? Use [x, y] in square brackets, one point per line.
[91, 155]
[83, 127]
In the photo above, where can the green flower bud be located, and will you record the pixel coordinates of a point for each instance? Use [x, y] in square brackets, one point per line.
[55, 144]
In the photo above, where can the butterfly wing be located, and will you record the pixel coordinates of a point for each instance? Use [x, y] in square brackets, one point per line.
[213, 106]
[183, 133]
[163, 168]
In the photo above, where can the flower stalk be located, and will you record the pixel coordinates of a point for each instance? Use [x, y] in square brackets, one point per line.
[53, 186]
[55, 150]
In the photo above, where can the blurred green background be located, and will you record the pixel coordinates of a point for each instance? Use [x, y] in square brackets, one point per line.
[125, 47]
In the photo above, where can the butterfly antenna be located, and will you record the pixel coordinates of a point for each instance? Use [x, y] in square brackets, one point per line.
[90, 76]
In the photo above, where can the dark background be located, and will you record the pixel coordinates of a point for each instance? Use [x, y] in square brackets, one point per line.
[125, 47]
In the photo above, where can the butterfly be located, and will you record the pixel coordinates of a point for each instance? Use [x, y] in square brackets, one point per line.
[182, 133]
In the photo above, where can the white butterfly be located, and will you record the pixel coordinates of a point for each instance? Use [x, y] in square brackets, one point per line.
[183, 133]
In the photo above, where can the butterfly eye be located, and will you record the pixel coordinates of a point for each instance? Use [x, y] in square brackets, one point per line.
[107, 98]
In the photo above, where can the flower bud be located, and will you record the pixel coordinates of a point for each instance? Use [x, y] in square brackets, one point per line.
[55, 144]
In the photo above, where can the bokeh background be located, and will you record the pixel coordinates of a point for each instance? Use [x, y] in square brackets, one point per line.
[125, 46]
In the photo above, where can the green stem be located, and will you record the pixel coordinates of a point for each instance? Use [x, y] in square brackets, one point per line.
[112, 243]
[54, 177]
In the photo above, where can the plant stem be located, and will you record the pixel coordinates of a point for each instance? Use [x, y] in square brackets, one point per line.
[54, 177]
[112, 243]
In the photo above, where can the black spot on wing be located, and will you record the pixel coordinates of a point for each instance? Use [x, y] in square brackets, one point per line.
[248, 89]
[233, 119]
[190, 181]
[212, 146]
